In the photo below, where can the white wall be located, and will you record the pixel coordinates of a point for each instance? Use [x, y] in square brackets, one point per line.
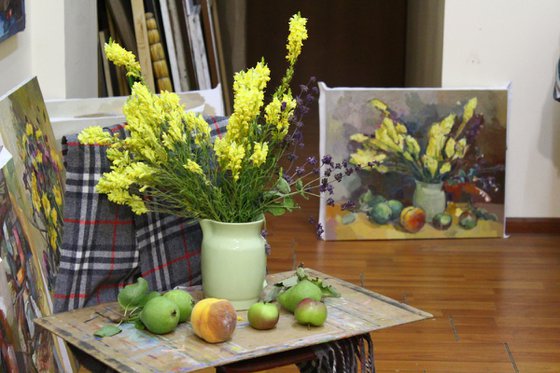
[59, 45]
[15, 59]
[490, 42]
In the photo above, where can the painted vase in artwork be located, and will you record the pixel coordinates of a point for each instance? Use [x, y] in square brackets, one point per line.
[233, 261]
[430, 197]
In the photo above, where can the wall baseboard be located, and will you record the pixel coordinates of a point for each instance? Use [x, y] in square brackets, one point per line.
[533, 225]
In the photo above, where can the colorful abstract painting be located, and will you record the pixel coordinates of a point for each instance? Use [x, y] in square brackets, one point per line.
[25, 348]
[427, 163]
[12, 17]
[33, 180]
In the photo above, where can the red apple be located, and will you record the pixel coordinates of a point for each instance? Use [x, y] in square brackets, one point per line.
[311, 312]
[413, 219]
[263, 316]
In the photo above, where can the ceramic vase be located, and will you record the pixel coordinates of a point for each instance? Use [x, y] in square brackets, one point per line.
[430, 198]
[233, 261]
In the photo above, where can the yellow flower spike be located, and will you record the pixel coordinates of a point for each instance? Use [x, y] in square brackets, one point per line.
[430, 164]
[39, 157]
[38, 134]
[121, 57]
[28, 129]
[95, 135]
[193, 167]
[412, 146]
[260, 151]
[298, 33]
[461, 148]
[450, 148]
[363, 156]
[45, 203]
[359, 137]
[401, 128]
[468, 112]
[53, 238]
[445, 168]
[381, 106]
[57, 196]
[54, 215]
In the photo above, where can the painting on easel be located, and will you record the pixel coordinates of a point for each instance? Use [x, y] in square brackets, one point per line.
[430, 163]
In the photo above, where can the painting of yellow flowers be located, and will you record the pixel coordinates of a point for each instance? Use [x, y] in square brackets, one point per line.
[31, 239]
[429, 162]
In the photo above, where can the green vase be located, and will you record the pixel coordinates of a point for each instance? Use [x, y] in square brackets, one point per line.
[430, 198]
[233, 261]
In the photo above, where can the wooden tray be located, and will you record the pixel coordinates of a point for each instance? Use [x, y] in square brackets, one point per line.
[356, 312]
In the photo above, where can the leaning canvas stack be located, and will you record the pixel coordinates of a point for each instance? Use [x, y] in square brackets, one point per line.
[431, 162]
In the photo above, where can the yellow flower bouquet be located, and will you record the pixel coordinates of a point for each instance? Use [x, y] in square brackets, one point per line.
[170, 164]
[392, 149]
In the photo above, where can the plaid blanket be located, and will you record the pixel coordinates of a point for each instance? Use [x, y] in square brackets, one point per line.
[106, 246]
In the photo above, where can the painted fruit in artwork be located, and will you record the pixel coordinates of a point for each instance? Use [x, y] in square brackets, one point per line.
[413, 219]
[380, 213]
[214, 320]
[311, 312]
[442, 221]
[303, 289]
[396, 208]
[183, 300]
[468, 220]
[263, 316]
[160, 315]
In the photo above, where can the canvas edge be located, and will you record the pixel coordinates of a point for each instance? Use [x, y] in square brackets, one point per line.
[322, 145]
[508, 117]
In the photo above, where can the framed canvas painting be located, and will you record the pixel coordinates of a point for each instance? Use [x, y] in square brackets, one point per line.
[12, 18]
[419, 162]
[33, 180]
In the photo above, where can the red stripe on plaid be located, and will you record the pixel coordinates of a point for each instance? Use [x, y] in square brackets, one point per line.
[117, 128]
[150, 271]
[94, 222]
[71, 296]
[218, 132]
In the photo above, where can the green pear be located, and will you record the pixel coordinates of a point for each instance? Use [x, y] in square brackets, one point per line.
[160, 315]
[303, 289]
[183, 300]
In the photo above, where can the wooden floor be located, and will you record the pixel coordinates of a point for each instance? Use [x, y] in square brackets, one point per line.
[496, 302]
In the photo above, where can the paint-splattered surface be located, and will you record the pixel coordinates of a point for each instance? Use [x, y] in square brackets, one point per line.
[356, 312]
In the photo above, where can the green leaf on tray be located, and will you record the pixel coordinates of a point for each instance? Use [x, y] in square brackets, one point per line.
[107, 331]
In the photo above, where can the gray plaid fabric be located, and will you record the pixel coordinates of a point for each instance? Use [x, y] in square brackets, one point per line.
[105, 246]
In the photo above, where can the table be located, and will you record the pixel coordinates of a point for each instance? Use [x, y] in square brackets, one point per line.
[356, 312]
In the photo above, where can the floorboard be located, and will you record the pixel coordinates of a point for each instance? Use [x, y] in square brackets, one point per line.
[496, 302]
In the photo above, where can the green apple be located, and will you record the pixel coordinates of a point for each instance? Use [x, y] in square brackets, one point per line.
[263, 316]
[160, 315]
[311, 312]
[183, 300]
